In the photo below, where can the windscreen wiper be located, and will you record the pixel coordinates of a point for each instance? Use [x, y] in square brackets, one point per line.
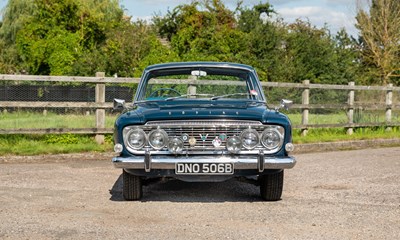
[230, 95]
[190, 95]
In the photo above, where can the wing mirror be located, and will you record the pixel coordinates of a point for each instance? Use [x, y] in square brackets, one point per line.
[119, 105]
[285, 104]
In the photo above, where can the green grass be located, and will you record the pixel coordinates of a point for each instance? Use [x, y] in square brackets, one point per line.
[30, 120]
[70, 143]
[319, 118]
[51, 144]
[51, 120]
[339, 134]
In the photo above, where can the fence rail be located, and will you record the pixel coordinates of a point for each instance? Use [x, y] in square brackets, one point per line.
[100, 105]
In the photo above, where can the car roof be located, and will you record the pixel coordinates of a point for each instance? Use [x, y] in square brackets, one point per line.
[199, 64]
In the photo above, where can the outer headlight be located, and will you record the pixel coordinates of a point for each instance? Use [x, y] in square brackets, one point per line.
[158, 139]
[234, 144]
[135, 138]
[250, 138]
[272, 137]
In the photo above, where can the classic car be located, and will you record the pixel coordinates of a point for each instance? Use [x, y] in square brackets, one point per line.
[202, 122]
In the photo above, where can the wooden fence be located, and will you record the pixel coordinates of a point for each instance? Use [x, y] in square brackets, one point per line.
[100, 105]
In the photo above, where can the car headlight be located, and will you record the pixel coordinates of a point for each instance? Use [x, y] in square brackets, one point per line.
[135, 138]
[272, 137]
[250, 138]
[234, 144]
[158, 139]
[175, 145]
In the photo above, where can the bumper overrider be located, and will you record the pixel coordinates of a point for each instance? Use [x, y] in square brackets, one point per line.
[258, 162]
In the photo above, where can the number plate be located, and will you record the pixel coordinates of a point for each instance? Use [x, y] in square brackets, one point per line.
[204, 168]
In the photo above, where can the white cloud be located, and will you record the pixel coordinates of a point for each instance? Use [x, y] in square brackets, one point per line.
[319, 16]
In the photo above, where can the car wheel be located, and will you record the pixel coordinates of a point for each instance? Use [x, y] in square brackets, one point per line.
[271, 186]
[132, 186]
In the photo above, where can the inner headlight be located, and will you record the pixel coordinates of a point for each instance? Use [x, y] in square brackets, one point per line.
[250, 138]
[272, 137]
[158, 139]
[234, 144]
[135, 138]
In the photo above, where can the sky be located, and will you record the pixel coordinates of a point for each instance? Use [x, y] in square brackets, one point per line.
[335, 13]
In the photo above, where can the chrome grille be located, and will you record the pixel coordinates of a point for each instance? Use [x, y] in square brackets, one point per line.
[199, 128]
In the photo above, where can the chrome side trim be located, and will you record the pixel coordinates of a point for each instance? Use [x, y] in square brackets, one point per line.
[240, 162]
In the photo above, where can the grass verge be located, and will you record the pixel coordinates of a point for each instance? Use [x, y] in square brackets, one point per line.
[339, 134]
[72, 143]
[51, 144]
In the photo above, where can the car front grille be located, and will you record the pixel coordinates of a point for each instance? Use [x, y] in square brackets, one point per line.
[204, 131]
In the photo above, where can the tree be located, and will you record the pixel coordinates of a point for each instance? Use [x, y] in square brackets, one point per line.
[15, 15]
[347, 58]
[311, 53]
[61, 31]
[264, 40]
[203, 30]
[380, 38]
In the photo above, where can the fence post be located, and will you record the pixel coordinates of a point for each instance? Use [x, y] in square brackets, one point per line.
[191, 90]
[350, 110]
[100, 113]
[305, 101]
[389, 102]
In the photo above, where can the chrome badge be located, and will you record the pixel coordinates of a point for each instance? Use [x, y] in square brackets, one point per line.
[185, 137]
[192, 141]
[203, 137]
[217, 142]
[222, 136]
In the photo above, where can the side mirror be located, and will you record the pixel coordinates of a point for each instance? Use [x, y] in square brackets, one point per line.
[285, 104]
[119, 104]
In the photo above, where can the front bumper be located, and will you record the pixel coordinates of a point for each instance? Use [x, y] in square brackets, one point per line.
[162, 162]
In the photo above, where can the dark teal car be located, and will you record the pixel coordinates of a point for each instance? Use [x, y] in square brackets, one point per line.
[202, 122]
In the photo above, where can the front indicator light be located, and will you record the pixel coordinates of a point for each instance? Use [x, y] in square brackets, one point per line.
[118, 148]
[289, 147]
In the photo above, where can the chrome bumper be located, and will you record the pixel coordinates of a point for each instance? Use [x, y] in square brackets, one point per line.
[149, 162]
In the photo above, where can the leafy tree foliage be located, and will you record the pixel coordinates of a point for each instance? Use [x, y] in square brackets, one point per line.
[380, 38]
[15, 16]
[60, 31]
[202, 31]
[73, 37]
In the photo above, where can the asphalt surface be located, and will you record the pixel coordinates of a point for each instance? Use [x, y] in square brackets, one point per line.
[331, 195]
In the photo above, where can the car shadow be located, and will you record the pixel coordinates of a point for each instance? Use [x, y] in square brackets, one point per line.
[179, 191]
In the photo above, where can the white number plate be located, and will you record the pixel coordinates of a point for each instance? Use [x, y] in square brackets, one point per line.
[204, 168]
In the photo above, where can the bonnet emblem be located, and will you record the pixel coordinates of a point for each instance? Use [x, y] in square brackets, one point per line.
[203, 138]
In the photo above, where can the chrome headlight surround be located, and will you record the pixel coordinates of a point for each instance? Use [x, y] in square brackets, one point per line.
[158, 139]
[272, 138]
[134, 138]
[250, 138]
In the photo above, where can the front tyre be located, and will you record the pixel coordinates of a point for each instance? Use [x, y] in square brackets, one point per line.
[132, 186]
[271, 186]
